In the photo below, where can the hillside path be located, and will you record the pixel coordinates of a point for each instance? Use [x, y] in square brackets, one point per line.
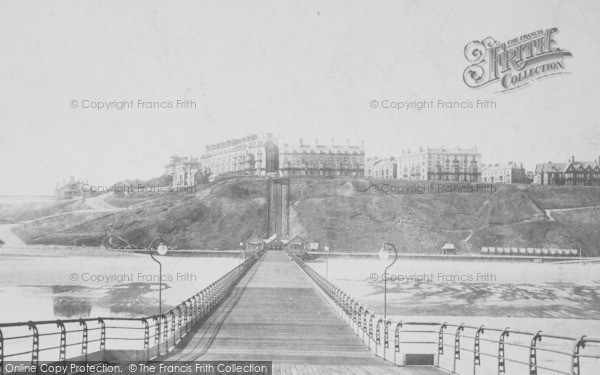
[550, 211]
[9, 237]
[96, 204]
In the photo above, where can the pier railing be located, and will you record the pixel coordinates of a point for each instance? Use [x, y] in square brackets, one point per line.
[461, 348]
[89, 339]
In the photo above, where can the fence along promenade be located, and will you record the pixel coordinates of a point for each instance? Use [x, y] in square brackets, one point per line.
[112, 338]
[461, 348]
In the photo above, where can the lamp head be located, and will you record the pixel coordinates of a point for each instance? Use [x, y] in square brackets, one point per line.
[241, 244]
[326, 247]
[162, 249]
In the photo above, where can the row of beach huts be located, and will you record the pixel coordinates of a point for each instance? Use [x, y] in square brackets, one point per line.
[529, 251]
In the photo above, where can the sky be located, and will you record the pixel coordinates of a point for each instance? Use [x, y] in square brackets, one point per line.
[298, 69]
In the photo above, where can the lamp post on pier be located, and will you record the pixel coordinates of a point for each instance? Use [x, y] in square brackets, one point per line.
[383, 255]
[162, 250]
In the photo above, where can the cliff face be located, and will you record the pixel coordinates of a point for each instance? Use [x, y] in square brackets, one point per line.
[359, 215]
[219, 216]
[353, 215]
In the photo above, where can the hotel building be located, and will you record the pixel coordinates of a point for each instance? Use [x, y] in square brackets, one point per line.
[443, 164]
[321, 160]
[572, 173]
[183, 170]
[253, 155]
[510, 173]
[381, 168]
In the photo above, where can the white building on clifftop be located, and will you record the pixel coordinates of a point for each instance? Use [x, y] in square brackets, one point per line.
[441, 164]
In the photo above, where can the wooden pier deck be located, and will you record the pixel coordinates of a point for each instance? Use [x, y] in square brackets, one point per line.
[276, 314]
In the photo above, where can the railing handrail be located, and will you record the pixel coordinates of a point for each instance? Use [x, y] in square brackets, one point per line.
[357, 313]
[200, 304]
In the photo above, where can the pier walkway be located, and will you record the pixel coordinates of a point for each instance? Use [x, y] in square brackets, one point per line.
[274, 307]
[276, 314]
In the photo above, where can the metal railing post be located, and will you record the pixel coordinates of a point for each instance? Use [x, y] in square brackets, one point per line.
[533, 353]
[192, 311]
[397, 341]
[35, 350]
[370, 335]
[202, 312]
[378, 334]
[580, 343]
[146, 338]
[501, 360]
[355, 314]
[195, 310]
[189, 314]
[441, 338]
[457, 345]
[359, 320]
[185, 314]
[178, 308]
[157, 333]
[477, 350]
[172, 327]
[1, 353]
[211, 297]
[441, 342]
[365, 324]
[102, 336]
[165, 333]
[84, 339]
[62, 355]
[386, 339]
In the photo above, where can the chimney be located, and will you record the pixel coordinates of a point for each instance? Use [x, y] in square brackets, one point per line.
[362, 143]
[347, 143]
[301, 142]
[573, 159]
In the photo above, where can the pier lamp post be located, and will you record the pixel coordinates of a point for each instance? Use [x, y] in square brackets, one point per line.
[162, 250]
[242, 248]
[329, 249]
[383, 255]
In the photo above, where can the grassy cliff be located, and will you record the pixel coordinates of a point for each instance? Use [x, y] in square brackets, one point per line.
[219, 216]
[353, 215]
